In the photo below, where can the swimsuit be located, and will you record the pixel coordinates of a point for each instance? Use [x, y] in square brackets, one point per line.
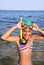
[23, 47]
[19, 64]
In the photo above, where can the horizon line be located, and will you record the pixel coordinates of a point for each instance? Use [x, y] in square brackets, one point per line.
[22, 10]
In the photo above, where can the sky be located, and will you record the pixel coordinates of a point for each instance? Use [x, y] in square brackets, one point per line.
[21, 4]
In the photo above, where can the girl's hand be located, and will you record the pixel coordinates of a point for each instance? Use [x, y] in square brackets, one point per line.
[35, 27]
[19, 25]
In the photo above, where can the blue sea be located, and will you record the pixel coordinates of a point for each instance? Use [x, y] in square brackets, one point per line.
[9, 18]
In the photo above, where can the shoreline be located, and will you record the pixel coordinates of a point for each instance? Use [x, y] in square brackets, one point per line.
[10, 61]
[9, 53]
[10, 49]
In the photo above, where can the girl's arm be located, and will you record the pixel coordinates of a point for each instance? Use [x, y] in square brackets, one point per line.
[36, 28]
[6, 36]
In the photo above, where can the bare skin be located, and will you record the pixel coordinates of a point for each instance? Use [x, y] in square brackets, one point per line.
[25, 55]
